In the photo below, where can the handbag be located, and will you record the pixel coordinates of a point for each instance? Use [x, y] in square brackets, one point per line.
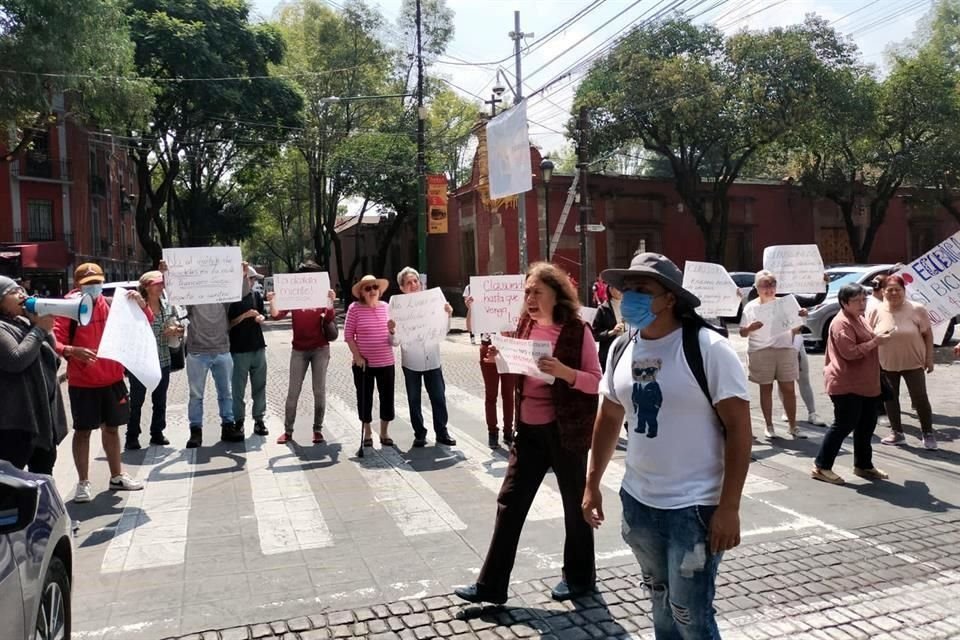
[178, 358]
[330, 330]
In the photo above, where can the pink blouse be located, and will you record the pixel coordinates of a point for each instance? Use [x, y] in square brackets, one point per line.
[537, 407]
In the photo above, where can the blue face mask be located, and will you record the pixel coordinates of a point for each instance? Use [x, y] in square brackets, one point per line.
[636, 309]
[93, 289]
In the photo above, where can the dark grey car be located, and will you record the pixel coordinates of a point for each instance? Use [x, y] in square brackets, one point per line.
[36, 557]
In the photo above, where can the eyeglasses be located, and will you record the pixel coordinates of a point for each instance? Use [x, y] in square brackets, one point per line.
[371, 287]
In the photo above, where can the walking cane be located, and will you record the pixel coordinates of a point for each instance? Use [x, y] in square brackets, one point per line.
[363, 388]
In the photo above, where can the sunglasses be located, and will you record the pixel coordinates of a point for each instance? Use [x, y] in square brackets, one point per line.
[371, 287]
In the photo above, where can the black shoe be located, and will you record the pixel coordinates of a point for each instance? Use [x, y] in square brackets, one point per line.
[493, 440]
[564, 591]
[475, 593]
[419, 442]
[196, 438]
[447, 440]
[230, 432]
[159, 440]
[508, 438]
[132, 445]
[259, 428]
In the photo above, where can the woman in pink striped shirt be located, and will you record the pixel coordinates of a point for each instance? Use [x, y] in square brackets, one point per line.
[370, 337]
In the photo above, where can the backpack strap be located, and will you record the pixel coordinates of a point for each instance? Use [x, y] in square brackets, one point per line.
[694, 357]
[618, 347]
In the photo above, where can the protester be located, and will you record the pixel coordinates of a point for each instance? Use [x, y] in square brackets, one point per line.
[98, 396]
[151, 290]
[803, 383]
[494, 382]
[608, 324]
[685, 469]
[248, 350]
[208, 350]
[313, 330]
[852, 380]
[772, 358]
[553, 431]
[875, 299]
[32, 422]
[371, 341]
[420, 364]
[599, 290]
[467, 296]
[908, 354]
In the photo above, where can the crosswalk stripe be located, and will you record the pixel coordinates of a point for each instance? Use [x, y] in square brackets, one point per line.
[413, 504]
[487, 467]
[287, 512]
[152, 530]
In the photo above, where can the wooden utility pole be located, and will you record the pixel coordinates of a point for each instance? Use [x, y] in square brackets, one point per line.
[586, 209]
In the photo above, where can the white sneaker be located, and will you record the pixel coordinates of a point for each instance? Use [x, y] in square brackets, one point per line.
[769, 433]
[84, 492]
[815, 420]
[795, 434]
[123, 482]
[783, 418]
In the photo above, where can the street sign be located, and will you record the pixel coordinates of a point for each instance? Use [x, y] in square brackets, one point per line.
[593, 228]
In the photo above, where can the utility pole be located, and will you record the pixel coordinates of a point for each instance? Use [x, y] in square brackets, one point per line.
[421, 160]
[517, 36]
[586, 209]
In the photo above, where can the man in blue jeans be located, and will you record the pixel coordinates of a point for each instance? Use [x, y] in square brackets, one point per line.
[682, 486]
[422, 363]
[208, 350]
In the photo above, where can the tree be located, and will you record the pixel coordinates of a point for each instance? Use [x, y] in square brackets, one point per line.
[708, 104]
[80, 49]
[217, 109]
[449, 123]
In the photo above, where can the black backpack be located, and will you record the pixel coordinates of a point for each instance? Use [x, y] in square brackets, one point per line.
[690, 326]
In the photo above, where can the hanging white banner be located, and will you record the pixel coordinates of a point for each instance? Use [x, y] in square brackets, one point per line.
[508, 153]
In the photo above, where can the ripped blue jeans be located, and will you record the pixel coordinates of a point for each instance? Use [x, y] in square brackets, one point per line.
[678, 569]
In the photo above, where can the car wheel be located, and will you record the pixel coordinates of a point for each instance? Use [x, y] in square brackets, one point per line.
[825, 338]
[53, 618]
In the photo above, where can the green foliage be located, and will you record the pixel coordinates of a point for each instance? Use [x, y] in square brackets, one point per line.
[79, 48]
[449, 122]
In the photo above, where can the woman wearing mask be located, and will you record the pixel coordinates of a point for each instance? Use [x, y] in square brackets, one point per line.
[494, 384]
[33, 421]
[608, 325]
[165, 328]
[555, 425]
[908, 354]
[370, 340]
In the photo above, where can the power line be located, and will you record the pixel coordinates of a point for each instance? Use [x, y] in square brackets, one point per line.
[90, 76]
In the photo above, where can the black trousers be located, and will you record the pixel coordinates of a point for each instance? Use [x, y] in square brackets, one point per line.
[535, 450]
[851, 413]
[17, 448]
[364, 379]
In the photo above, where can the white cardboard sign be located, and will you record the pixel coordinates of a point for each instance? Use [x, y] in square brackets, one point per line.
[521, 356]
[715, 288]
[508, 153]
[203, 275]
[797, 267]
[933, 280]
[588, 314]
[779, 316]
[301, 290]
[421, 317]
[128, 339]
[497, 303]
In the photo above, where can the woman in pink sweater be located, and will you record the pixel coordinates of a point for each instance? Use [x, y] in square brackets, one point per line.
[554, 428]
[852, 379]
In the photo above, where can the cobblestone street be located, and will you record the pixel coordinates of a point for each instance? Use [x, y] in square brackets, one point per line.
[258, 540]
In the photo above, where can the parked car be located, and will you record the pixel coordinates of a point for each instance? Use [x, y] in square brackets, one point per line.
[36, 557]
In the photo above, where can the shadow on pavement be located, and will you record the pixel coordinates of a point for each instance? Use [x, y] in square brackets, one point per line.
[912, 495]
[591, 610]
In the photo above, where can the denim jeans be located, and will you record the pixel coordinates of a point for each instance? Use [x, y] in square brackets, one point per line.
[221, 366]
[679, 571]
[436, 391]
[318, 360]
[252, 365]
[138, 394]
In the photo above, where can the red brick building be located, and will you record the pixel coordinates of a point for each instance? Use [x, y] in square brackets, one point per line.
[68, 200]
[644, 213]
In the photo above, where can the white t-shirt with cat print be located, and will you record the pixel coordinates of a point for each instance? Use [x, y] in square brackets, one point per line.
[675, 442]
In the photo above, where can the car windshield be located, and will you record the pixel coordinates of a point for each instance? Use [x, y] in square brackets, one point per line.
[840, 278]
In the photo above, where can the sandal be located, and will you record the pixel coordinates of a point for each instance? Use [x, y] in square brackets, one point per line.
[386, 442]
[318, 438]
[368, 442]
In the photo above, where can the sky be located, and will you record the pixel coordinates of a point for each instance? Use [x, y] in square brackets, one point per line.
[482, 28]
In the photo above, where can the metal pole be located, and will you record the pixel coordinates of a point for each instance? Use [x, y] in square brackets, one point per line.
[517, 36]
[421, 161]
[546, 221]
[586, 208]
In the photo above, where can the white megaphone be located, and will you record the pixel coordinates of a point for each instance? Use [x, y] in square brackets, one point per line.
[79, 309]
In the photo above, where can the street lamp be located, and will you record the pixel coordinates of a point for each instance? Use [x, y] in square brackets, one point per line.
[546, 172]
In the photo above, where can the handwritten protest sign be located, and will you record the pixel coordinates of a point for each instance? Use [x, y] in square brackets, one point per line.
[301, 290]
[202, 275]
[798, 267]
[587, 314]
[521, 356]
[933, 280]
[779, 316]
[715, 288]
[129, 340]
[497, 303]
[421, 317]
[508, 153]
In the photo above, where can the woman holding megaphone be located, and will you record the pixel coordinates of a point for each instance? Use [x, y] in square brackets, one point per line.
[33, 421]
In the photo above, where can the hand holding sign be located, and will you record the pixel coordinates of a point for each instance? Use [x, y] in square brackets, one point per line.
[420, 318]
[798, 267]
[523, 357]
[497, 303]
[202, 275]
[779, 316]
[301, 290]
